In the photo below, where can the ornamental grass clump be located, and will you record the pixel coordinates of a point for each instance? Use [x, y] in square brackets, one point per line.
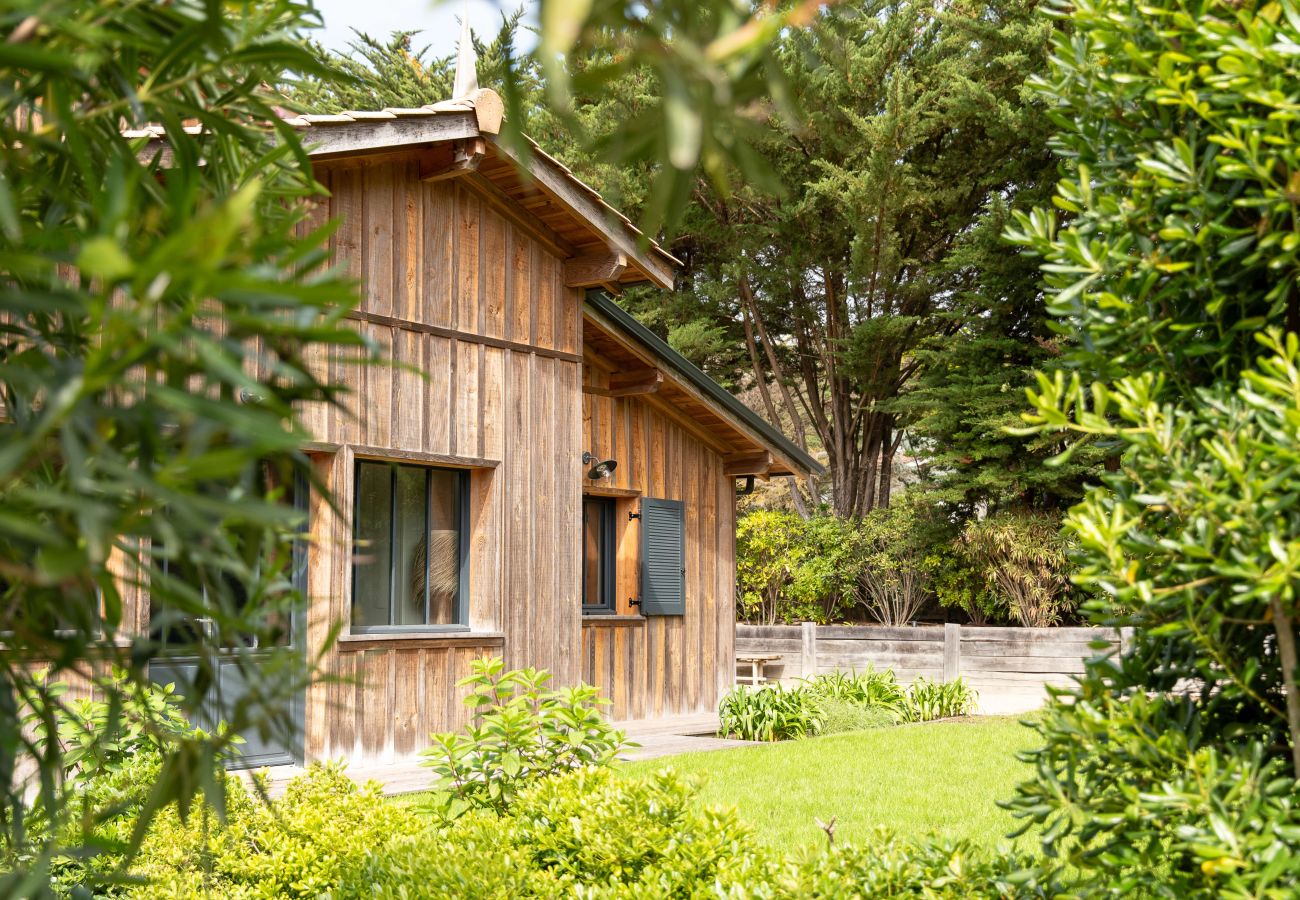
[774, 713]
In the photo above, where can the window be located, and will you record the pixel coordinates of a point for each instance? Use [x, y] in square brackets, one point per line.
[597, 555]
[173, 628]
[410, 546]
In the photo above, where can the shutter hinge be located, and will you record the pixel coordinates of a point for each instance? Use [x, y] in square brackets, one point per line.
[633, 515]
[632, 601]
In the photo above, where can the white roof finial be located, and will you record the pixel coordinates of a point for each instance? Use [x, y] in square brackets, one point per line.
[466, 61]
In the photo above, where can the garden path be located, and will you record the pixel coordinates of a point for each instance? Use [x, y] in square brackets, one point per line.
[657, 738]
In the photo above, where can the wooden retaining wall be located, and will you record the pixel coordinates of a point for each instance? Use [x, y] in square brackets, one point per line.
[1008, 666]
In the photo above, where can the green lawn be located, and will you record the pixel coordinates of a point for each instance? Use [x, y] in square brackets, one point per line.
[941, 778]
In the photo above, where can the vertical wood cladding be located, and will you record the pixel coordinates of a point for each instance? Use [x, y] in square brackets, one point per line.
[441, 270]
[662, 665]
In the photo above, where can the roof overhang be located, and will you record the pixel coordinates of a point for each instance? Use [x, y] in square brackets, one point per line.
[770, 453]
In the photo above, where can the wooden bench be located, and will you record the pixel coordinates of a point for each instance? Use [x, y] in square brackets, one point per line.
[756, 664]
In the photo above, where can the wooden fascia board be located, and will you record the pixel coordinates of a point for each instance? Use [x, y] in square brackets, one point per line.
[324, 141]
[781, 464]
[560, 188]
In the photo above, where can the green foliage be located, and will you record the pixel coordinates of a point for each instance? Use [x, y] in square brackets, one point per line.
[586, 833]
[374, 74]
[879, 690]
[840, 716]
[591, 834]
[887, 866]
[158, 314]
[1172, 770]
[929, 700]
[899, 561]
[1024, 558]
[793, 569]
[773, 713]
[522, 731]
[838, 701]
[961, 583]
[304, 844]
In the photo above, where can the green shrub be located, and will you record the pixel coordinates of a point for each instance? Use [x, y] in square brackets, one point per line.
[928, 700]
[891, 867]
[790, 569]
[1024, 558]
[839, 716]
[522, 732]
[773, 713]
[899, 558]
[585, 833]
[302, 845]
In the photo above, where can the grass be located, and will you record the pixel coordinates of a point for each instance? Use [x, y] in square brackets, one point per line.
[942, 778]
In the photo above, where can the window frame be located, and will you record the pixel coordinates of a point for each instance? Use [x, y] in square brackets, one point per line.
[608, 557]
[462, 523]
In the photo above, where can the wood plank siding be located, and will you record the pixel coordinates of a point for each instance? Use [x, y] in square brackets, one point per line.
[660, 665]
[485, 343]
[492, 365]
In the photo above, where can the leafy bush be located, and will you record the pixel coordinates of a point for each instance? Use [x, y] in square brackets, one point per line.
[928, 700]
[1025, 558]
[111, 754]
[789, 569]
[889, 866]
[1163, 771]
[585, 833]
[521, 732]
[960, 583]
[899, 560]
[773, 713]
[302, 845]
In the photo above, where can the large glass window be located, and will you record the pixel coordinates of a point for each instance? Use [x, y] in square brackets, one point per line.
[598, 554]
[410, 547]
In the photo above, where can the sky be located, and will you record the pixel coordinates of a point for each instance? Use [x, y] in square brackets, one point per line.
[437, 20]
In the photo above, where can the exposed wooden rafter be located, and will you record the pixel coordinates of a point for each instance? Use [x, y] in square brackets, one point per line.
[560, 185]
[453, 159]
[747, 464]
[597, 270]
[637, 381]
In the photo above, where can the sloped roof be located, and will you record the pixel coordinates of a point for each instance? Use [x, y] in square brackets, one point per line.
[478, 115]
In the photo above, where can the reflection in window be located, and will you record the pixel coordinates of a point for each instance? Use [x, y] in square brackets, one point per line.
[409, 546]
[597, 554]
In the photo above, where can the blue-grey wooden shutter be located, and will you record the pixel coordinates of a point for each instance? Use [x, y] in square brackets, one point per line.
[663, 558]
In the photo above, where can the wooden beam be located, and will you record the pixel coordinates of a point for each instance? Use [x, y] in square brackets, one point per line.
[594, 271]
[566, 190]
[637, 381]
[359, 137]
[503, 203]
[452, 160]
[741, 430]
[747, 463]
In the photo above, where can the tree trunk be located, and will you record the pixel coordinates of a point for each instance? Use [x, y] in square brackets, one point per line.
[1287, 650]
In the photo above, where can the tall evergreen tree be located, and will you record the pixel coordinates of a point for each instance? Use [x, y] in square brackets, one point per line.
[911, 133]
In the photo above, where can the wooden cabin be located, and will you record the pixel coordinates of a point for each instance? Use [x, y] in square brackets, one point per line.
[538, 476]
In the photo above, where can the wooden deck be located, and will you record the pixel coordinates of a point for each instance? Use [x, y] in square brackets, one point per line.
[657, 738]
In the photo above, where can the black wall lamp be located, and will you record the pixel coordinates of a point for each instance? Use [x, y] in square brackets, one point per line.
[602, 469]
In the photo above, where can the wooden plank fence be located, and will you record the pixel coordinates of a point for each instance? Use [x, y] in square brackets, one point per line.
[1010, 667]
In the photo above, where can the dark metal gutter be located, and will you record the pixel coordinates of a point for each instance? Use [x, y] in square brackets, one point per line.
[689, 372]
